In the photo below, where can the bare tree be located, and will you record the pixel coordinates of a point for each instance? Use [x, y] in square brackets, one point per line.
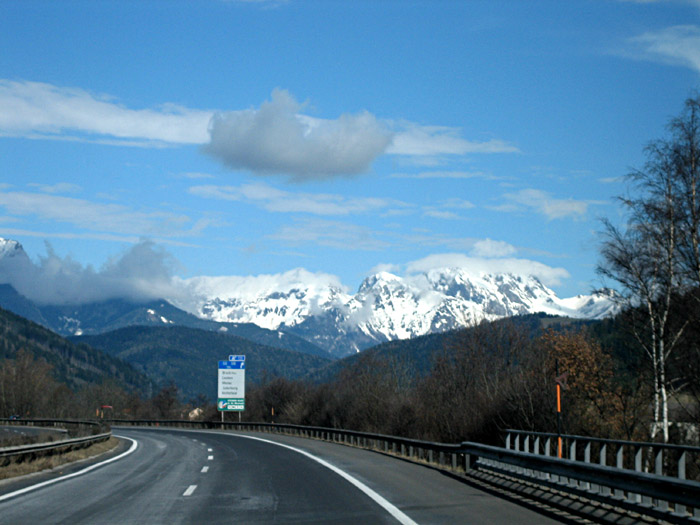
[657, 254]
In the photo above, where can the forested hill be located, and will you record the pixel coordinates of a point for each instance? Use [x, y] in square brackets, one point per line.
[76, 365]
[416, 356]
[189, 356]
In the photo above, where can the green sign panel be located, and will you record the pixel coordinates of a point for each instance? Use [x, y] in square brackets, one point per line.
[226, 404]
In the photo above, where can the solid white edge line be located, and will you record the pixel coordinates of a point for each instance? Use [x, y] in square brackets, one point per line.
[134, 446]
[385, 504]
[190, 490]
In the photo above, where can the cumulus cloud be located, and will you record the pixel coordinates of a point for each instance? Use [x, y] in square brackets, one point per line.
[142, 272]
[39, 110]
[548, 275]
[275, 139]
[676, 45]
[252, 287]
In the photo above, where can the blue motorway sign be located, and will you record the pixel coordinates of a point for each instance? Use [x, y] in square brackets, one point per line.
[231, 365]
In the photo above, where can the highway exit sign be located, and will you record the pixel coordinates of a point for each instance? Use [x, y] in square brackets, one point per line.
[231, 390]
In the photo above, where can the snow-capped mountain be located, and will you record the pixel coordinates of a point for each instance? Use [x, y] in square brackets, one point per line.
[387, 306]
[313, 306]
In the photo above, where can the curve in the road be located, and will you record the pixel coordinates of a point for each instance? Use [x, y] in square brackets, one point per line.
[131, 449]
[193, 476]
[382, 502]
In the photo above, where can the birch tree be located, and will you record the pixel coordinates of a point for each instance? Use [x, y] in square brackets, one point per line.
[656, 255]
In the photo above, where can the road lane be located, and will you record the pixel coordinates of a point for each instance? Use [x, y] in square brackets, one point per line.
[247, 482]
[170, 478]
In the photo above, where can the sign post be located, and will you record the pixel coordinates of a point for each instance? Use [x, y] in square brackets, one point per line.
[231, 391]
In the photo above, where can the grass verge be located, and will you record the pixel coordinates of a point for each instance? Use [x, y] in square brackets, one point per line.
[49, 462]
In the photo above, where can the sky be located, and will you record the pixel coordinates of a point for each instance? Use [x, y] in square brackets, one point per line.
[254, 137]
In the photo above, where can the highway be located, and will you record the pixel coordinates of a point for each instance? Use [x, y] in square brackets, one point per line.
[180, 476]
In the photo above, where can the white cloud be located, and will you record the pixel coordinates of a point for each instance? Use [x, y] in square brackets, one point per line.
[330, 233]
[491, 248]
[142, 272]
[112, 218]
[482, 265]
[676, 45]
[445, 175]
[39, 110]
[252, 287]
[60, 187]
[275, 139]
[445, 209]
[414, 139]
[275, 200]
[441, 214]
[543, 203]
[195, 175]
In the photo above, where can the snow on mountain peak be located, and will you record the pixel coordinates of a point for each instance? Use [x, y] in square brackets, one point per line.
[270, 301]
[386, 306]
[10, 248]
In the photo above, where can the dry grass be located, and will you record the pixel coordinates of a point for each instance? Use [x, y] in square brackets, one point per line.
[50, 462]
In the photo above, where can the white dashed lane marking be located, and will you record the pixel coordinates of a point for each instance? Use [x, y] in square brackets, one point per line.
[190, 490]
[205, 469]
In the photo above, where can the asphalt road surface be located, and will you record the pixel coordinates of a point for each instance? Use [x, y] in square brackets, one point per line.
[174, 476]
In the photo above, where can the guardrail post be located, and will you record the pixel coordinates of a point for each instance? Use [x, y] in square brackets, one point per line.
[603, 459]
[636, 498]
[680, 509]
[470, 462]
[508, 441]
[620, 463]
[586, 459]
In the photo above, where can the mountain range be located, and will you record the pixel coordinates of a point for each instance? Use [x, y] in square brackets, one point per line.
[306, 312]
[388, 307]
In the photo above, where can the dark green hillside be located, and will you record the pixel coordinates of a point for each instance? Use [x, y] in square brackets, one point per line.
[189, 357]
[113, 314]
[76, 365]
[417, 355]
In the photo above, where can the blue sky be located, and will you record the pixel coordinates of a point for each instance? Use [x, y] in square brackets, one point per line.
[254, 137]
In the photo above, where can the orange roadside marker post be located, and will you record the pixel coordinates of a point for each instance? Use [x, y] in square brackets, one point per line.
[561, 383]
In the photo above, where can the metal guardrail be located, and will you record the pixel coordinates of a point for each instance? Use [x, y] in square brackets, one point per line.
[661, 497]
[29, 452]
[663, 462]
[663, 459]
